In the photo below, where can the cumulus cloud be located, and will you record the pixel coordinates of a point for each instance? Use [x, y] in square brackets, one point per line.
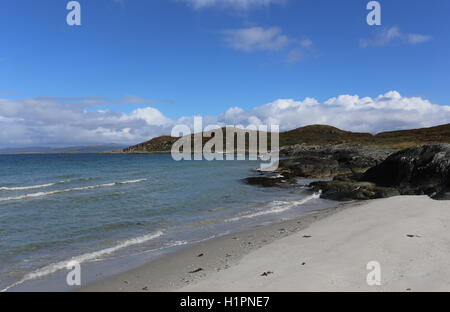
[393, 35]
[150, 115]
[235, 4]
[390, 111]
[63, 122]
[256, 38]
[52, 121]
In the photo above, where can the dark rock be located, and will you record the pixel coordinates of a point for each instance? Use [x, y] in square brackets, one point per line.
[421, 170]
[263, 181]
[352, 177]
[442, 196]
[329, 160]
[362, 173]
[310, 167]
[321, 162]
[347, 191]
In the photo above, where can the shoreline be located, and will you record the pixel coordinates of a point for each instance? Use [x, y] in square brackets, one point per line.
[332, 250]
[396, 244]
[187, 266]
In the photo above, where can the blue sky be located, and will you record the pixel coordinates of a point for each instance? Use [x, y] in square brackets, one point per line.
[183, 59]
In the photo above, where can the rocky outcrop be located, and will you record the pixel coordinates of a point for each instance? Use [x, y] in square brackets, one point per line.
[329, 160]
[321, 162]
[347, 187]
[264, 181]
[421, 170]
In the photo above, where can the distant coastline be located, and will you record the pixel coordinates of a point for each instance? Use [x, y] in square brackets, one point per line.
[323, 135]
[308, 135]
[36, 150]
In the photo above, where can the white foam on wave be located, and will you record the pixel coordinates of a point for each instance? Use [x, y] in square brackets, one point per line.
[31, 187]
[278, 207]
[54, 267]
[74, 189]
[179, 243]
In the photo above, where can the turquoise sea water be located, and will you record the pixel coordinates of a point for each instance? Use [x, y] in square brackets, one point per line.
[94, 207]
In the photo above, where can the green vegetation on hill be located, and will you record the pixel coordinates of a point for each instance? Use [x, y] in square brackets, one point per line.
[322, 134]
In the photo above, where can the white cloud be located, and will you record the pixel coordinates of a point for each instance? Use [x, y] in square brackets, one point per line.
[74, 121]
[393, 35]
[256, 38]
[389, 111]
[417, 38]
[235, 4]
[152, 116]
[51, 121]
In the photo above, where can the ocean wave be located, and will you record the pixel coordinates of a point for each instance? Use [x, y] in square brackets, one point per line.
[277, 207]
[54, 267]
[74, 189]
[178, 243]
[31, 187]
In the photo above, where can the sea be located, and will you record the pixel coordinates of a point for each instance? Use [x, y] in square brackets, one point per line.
[114, 212]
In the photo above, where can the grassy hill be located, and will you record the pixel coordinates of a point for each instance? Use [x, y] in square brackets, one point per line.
[323, 134]
[408, 138]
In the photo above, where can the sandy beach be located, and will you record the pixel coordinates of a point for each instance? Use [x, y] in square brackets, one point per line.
[327, 251]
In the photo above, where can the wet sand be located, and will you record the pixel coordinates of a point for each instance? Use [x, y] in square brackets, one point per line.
[190, 265]
[408, 236]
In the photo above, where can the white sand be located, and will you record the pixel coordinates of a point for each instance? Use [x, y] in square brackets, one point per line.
[341, 245]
